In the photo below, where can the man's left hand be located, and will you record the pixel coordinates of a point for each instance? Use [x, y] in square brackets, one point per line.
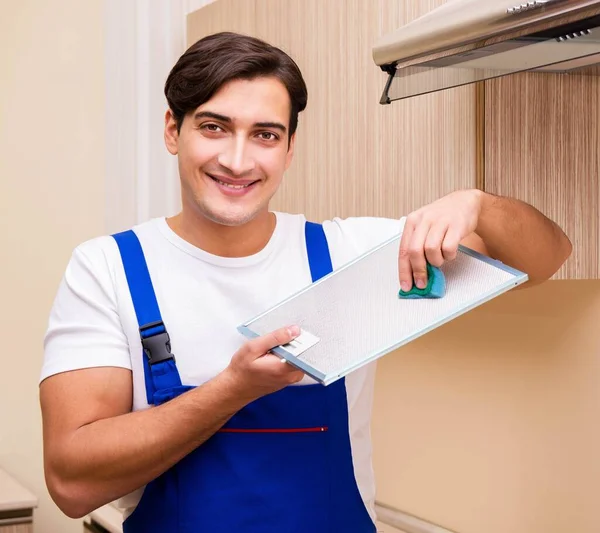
[433, 234]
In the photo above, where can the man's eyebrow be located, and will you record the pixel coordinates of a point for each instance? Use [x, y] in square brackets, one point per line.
[210, 114]
[226, 119]
[274, 125]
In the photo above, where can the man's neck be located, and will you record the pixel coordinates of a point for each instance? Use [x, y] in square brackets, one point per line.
[224, 241]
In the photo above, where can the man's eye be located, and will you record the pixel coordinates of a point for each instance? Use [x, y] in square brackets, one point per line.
[211, 127]
[267, 136]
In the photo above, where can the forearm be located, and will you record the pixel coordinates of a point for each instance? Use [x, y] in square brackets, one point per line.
[520, 236]
[109, 458]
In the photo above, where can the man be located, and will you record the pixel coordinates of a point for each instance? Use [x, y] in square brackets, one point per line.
[224, 437]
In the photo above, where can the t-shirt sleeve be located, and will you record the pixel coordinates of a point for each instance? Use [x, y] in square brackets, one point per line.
[84, 328]
[350, 237]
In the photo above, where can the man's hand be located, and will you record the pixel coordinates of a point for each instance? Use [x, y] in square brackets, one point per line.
[254, 372]
[506, 229]
[433, 234]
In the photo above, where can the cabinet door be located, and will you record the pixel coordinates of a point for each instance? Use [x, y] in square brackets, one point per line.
[222, 15]
[17, 528]
[542, 146]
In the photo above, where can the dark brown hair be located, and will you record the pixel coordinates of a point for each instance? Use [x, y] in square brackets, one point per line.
[222, 57]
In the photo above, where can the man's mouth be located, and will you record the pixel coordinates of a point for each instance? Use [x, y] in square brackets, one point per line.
[238, 186]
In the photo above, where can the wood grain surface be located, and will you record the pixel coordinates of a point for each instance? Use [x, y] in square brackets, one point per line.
[17, 528]
[541, 146]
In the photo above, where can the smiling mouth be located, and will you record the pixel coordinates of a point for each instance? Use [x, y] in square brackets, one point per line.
[230, 185]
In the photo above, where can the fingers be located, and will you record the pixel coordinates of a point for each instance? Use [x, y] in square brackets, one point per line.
[294, 376]
[261, 345]
[432, 234]
[416, 252]
[433, 244]
[404, 268]
[424, 241]
[450, 244]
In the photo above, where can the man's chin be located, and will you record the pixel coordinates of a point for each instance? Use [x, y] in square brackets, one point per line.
[231, 219]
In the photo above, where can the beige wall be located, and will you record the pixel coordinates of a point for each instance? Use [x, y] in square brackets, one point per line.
[52, 197]
[490, 423]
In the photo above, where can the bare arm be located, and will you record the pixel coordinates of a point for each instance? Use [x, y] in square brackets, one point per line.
[96, 450]
[520, 236]
[504, 228]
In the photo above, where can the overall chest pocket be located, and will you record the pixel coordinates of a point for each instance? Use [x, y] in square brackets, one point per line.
[267, 469]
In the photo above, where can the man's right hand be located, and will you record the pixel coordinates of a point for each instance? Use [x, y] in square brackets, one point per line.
[255, 372]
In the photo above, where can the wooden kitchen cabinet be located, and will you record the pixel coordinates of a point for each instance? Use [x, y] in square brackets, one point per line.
[17, 528]
[16, 506]
[541, 145]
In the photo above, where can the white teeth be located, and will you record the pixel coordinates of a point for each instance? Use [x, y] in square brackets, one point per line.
[232, 186]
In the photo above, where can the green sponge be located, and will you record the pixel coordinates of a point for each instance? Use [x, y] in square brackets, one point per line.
[436, 286]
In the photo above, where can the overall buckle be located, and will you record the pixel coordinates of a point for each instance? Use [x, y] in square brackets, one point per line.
[157, 347]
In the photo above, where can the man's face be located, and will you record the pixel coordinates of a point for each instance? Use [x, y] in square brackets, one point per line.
[233, 150]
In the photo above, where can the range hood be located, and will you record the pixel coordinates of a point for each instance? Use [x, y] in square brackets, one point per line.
[466, 41]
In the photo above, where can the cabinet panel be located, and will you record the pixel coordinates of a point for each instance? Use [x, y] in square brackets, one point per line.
[335, 165]
[355, 157]
[17, 528]
[222, 15]
[427, 143]
[541, 146]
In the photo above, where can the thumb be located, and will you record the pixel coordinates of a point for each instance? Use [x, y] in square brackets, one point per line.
[259, 346]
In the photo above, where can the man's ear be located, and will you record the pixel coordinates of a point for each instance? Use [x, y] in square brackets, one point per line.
[290, 152]
[171, 134]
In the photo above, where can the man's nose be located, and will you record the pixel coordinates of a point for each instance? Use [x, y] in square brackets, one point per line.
[237, 157]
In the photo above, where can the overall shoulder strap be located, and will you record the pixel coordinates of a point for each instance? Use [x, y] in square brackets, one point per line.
[159, 364]
[317, 248]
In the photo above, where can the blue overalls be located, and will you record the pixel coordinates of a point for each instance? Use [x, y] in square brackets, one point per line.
[282, 464]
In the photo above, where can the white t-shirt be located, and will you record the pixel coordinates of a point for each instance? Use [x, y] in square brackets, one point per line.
[202, 299]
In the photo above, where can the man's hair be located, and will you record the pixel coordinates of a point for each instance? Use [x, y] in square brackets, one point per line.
[222, 57]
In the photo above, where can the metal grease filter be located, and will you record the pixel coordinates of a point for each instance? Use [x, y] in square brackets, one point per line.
[357, 316]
